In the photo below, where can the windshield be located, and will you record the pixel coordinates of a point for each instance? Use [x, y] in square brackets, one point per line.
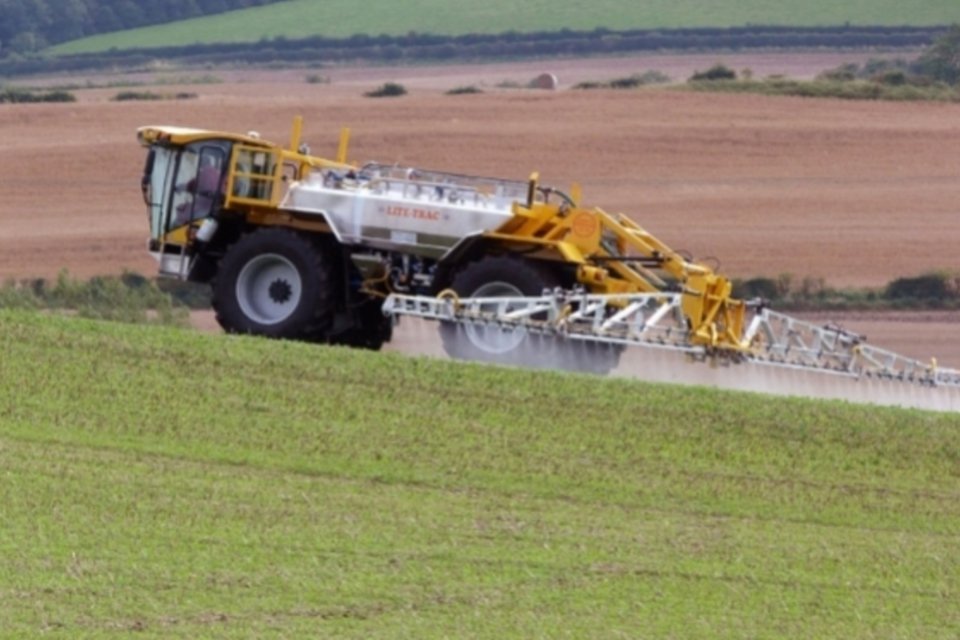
[158, 173]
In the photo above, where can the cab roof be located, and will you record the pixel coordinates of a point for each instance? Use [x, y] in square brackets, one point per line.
[183, 135]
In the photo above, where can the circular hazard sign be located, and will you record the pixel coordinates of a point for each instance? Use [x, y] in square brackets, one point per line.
[584, 225]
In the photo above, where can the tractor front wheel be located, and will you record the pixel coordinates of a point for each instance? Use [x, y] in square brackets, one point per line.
[275, 283]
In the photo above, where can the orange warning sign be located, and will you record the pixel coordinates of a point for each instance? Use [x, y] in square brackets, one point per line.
[584, 224]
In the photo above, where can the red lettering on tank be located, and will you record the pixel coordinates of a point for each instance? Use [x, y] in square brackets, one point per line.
[397, 211]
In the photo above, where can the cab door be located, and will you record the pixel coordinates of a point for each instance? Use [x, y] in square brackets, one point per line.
[191, 180]
[198, 188]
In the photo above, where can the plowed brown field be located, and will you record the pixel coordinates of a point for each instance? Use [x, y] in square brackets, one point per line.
[857, 193]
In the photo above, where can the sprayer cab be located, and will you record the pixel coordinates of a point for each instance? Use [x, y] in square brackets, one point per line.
[192, 178]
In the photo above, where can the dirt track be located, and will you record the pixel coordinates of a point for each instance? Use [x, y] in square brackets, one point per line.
[854, 192]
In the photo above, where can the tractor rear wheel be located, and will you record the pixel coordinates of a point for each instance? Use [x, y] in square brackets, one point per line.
[501, 276]
[508, 276]
[275, 283]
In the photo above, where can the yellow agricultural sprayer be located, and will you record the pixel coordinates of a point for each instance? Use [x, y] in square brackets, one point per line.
[300, 247]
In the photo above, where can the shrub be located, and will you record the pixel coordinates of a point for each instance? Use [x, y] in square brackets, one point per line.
[892, 72]
[57, 96]
[935, 290]
[847, 90]
[387, 90]
[892, 77]
[457, 91]
[591, 84]
[765, 288]
[941, 61]
[878, 66]
[316, 78]
[927, 286]
[124, 96]
[843, 73]
[716, 72]
[639, 80]
[627, 82]
[14, 95]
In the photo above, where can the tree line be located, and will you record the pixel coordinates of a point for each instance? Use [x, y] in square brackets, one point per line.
[414, 47]
[30, 25]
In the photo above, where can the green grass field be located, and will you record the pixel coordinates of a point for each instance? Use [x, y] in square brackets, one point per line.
[177, 484]
[338, 18]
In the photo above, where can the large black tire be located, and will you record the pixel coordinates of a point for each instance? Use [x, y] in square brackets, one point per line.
[275, 282]
[512, 276]
[495, 277]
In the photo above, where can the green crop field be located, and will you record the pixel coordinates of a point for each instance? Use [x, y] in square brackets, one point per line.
[338, 18]
[176, 484]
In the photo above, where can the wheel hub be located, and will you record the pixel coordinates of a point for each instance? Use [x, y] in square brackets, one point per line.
[494, 339]
[269, 289]
[280, 291]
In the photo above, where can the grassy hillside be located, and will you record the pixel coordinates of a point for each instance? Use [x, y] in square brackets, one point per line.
[338, 18]
[185, 485]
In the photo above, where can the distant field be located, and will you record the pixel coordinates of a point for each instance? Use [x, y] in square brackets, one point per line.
[338, 18]
[182, 485]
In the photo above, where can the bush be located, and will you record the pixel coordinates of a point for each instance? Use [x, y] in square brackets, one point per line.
[893, 72]
[879, 66]
[939, 286]
[13, 95]
[892, 77]
[58, 96]
[938, 290]
[847, 90]
[765, 288]
[639, 80]
[387, 90]
[716, 72]
[941, 61]
[124, 96]
[457, 91]
[628, 82]
[843, 73]
[591, 84]
[316, 78]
